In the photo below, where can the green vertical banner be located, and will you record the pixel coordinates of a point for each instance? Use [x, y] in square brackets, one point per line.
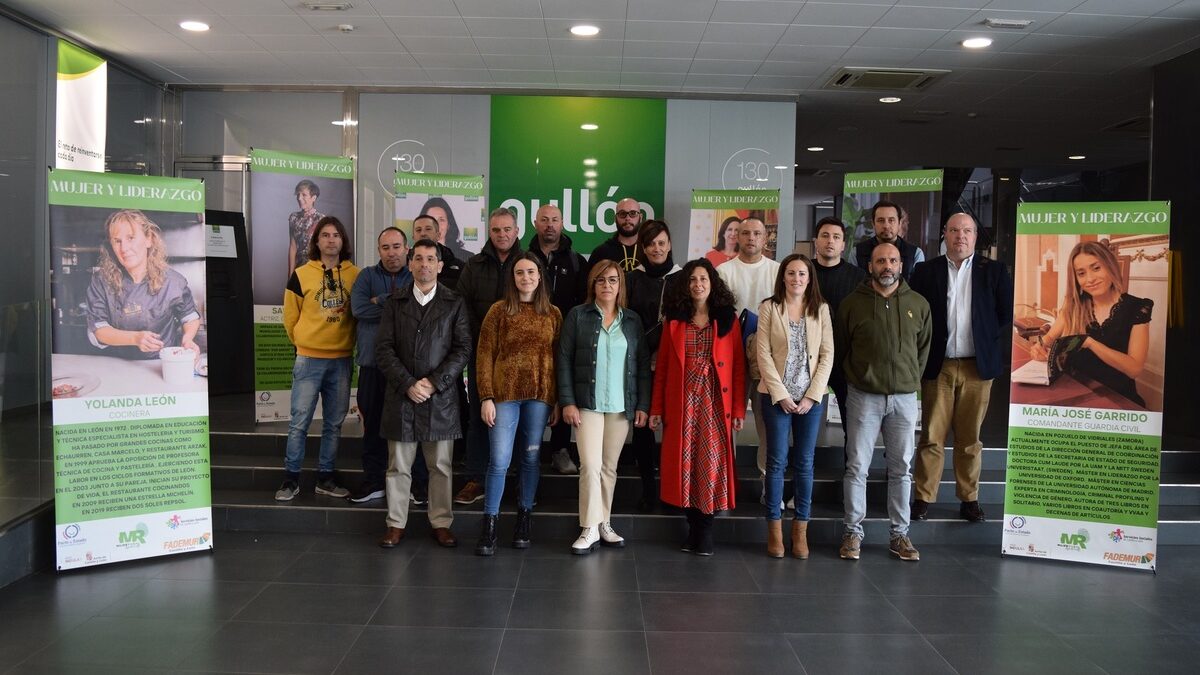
[1085, 414]
[455, 200]
[582, 154]
[715, 215]
[919, 195]
[81, 109]
[289, 193]
[129, 367]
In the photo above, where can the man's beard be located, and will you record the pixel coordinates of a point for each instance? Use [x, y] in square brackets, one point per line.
[885, 279]
[627, 230]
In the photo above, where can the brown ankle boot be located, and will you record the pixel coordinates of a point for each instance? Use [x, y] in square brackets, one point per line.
[775, 538]
[800, 539]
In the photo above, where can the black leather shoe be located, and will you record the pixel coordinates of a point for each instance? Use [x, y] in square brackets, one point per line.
[971, 512]
[522, 529]
[920, 510]
[486, 545]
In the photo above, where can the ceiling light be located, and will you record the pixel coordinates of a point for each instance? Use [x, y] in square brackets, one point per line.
[195, 26]
[584, 30]
[977, 43]
[814, 148]
[590, 161]
[1018, 24]
[328, 6]
[1004, 178]
[781, 167]
[1077, 157]
[762, 179]
[345, 123]
[589, 126]
[890, 99]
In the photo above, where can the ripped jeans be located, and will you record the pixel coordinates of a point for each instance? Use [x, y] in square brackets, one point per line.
[529, 419]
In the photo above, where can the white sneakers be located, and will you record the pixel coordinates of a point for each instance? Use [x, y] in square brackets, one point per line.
[609, 536]
[588, 539]
[561, 461]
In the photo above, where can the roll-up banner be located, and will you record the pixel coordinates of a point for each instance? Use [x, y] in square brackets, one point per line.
[289, 193]
[1085, 413]
[919, 194]
[456, 201]
[81, 109]
[128, 365]
[716, 213]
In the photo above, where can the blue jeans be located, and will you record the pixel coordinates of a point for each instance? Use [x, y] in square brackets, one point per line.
[804, 430]
[329, 378]
[512, 417]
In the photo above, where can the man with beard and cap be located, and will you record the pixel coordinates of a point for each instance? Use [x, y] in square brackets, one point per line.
[371, 290]
[565, 277]
[428, 227]
[886, 327]
[481, 285]
[886, 218]
[623, 246]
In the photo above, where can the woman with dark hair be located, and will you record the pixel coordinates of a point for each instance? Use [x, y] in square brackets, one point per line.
[700, 398]
[514, 361]
[795, 357]
[449, 234]
[647, 288]
[603, 385]
[136, 303]
[1116, 325]
[302, 223]
[726, 247]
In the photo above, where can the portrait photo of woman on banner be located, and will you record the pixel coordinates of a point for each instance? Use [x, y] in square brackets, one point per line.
[302, 222]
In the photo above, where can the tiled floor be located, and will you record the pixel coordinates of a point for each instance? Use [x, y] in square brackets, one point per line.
[278, 603]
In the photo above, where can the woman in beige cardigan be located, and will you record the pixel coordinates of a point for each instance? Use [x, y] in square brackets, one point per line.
[795, 356]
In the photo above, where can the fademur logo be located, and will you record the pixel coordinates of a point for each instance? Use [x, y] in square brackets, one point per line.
[1079, 540]
[1134, 558]
[134, 537]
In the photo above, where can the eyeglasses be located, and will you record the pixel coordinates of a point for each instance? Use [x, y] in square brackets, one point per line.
[628, 214]
[608, 281]
[329, 282]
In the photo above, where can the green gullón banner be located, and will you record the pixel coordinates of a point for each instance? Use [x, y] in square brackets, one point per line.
[289, 193]
[1085, 413]
[129, 365]
[581, 154]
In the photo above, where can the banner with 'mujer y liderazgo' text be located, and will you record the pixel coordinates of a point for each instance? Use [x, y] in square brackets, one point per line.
[1085, 413]
[715, 217]
[289, 193]
[129, 367]
[455, 201]
[918, 193]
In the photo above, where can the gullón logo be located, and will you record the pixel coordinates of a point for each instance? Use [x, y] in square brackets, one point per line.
[1075, 542]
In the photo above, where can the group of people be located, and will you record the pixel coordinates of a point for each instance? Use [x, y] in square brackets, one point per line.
[628, 340]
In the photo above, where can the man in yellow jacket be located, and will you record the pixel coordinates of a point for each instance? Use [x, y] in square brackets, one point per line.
[316, 314]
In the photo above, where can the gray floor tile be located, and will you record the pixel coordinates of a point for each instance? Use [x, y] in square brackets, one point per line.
[850, 614]
[597, 573]
[854, 654]
[692, 653]
[232, 565]
[1012, 654]
[696, 573]
[553, 652]
[462, 571]
[1040, 578]
[314, 603]
[23, 634]
[71, 594]
[372, 569]
[267, 541]
[708, 612]
[1159, 654]
[248, 646]
[196, 599]
[1094, 615]
[968, 615]
[448, 607]
[415, 649]
[905, 578]
[592, 610]
[120, 641]
[809, 577]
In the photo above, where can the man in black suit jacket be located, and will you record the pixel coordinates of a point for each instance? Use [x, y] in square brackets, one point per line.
[971, 301]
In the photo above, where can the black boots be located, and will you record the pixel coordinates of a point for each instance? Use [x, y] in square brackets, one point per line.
[689, 544]
[487, 536]
[700, 532]
[521, 531]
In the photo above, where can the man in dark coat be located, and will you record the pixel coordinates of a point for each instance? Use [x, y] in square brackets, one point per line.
[422, 346]
[970, 298]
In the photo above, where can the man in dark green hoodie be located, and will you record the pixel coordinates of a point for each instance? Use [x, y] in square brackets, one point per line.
[886, 328]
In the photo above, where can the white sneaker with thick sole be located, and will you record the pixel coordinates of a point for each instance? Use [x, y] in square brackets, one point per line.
[609, 536]
[562, 463]
[587, 541]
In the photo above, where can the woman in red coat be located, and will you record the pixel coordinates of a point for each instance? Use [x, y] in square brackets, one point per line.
[700, 397]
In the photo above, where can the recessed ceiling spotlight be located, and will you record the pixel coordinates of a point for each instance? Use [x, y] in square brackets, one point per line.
[589, 126]
[345, 123]
[815, 148]
[584, 30]
[781, 167]
[194, 26]
[890, 99]
[1076, 156]
[977, 43]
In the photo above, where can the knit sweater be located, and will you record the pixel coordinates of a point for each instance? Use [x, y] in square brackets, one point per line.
[515, 357]
[316, 310]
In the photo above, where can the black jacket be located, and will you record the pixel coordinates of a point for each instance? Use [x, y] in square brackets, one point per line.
[452, 267]
[991, 312]
[908, 254]
[645, 296]
[612, 249]
[566, 274]
[412, 344]
[482, 282]
[576, 364]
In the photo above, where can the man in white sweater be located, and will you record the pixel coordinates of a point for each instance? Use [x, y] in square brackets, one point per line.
[751, 277]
